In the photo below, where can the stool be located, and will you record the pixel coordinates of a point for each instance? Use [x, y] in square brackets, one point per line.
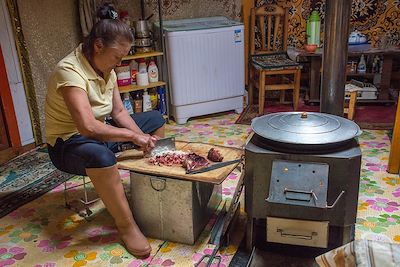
[84, 200]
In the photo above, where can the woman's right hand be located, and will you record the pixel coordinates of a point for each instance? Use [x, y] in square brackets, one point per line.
[145, 142]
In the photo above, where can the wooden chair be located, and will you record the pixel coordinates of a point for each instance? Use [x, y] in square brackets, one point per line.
[269, 66]
[350, 109]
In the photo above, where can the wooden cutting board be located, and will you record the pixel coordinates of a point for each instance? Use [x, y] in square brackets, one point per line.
[142, 165]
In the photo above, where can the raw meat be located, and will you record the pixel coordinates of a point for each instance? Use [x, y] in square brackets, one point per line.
[189, 161]
[169, 158]
[194, 161]
[214, 155]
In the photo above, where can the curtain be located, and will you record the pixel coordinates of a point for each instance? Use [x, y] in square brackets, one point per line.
[87, 15]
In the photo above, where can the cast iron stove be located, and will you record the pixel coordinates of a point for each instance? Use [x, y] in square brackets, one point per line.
[301, 179]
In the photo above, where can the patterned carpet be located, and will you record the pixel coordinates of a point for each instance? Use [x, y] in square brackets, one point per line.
[27, 177]
[379, 196]
[62, 238]
[372, 117]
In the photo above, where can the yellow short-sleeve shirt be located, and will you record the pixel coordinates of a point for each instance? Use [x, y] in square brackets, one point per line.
[75, 71]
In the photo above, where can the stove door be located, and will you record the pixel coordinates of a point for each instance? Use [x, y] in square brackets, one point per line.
[299, 183]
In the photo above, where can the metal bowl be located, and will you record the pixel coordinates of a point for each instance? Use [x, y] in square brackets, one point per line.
[142, 42]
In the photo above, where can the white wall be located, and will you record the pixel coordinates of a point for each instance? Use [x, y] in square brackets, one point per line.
[14, 76]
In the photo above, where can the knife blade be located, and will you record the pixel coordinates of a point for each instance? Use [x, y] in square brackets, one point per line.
[163, 145]
[214, 166]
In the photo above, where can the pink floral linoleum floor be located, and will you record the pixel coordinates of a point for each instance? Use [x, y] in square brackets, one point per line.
[43, 233]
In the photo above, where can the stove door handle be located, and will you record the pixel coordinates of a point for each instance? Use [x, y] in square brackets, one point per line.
[296, 235]
[336, 201]
[310, 193]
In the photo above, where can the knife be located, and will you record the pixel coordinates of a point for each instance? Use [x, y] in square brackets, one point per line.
[163, 145]
[214, 166]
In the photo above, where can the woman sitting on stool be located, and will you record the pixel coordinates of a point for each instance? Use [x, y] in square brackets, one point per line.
[82, 92]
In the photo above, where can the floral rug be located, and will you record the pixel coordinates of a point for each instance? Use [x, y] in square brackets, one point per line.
[63, 238]
[45, 233]
[379, 196]
[27, 177]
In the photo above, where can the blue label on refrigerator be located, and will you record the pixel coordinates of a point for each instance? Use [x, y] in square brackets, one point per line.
[237, 36]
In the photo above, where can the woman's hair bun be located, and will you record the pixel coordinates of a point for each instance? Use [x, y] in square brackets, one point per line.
[107, 11]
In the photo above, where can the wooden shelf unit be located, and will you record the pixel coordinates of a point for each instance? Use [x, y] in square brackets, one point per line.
[388, 59]
[143, 55]
[365, 75]
[133, 87]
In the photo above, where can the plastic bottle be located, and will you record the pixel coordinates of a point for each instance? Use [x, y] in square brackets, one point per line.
[138, 102]
[127, 103]
[313, 29]
[152, 70]
[146, 101]
[162, 105]
[154, 98]
[142, 65]
[134, 69]
[123, 75]
[362, 66]
[374, 65]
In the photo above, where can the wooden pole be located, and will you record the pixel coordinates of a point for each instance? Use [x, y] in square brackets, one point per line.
[394, 156]
[247, 5]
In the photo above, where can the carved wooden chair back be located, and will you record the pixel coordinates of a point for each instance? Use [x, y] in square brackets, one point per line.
[268, 29]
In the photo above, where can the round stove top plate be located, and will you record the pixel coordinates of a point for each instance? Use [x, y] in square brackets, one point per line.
[305, 128]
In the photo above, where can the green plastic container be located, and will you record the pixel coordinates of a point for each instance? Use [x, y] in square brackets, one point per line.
[313, 28]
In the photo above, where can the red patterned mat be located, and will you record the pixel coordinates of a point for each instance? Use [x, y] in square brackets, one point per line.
[367, 117]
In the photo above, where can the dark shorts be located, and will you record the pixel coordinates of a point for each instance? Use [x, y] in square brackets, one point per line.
[78, 152]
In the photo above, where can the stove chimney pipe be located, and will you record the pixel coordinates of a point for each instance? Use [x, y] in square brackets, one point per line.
[337, 18]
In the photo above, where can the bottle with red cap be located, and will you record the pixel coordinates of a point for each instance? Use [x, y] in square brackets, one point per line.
[152, 71]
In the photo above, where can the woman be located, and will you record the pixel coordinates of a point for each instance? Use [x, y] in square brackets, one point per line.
[82, 92]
